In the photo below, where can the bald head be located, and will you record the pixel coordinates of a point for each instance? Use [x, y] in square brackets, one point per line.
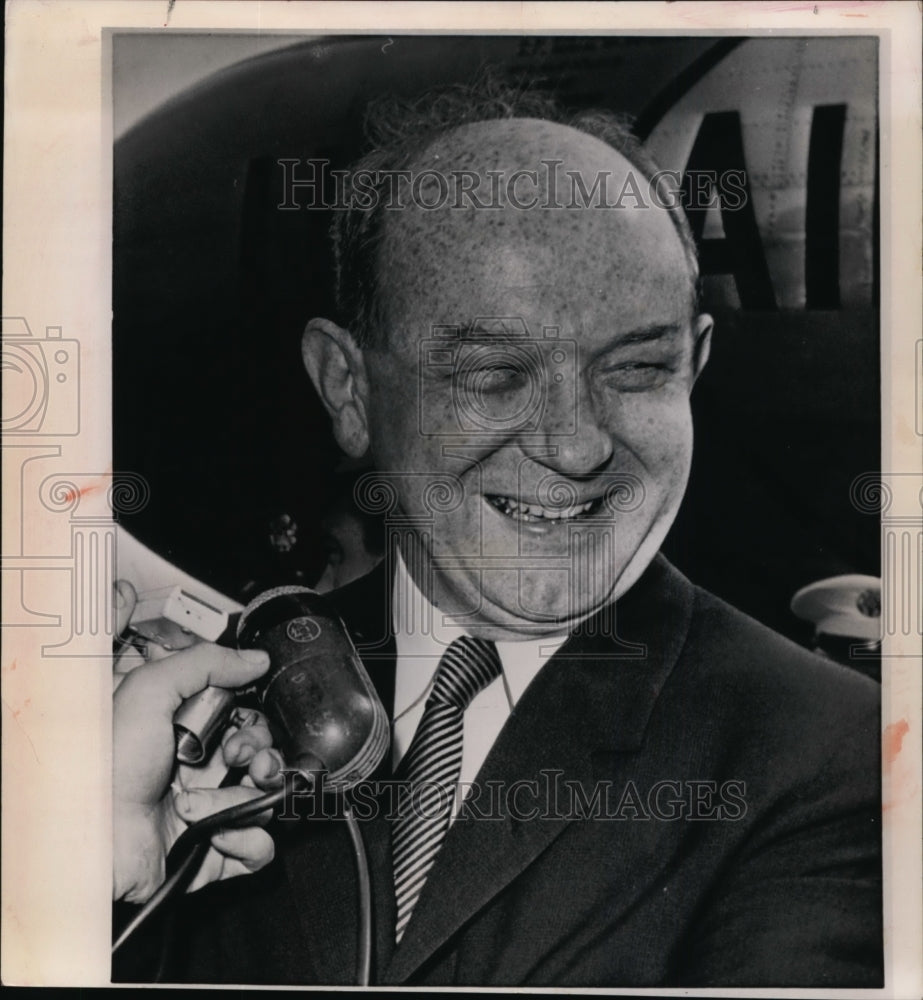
[520, 208]
[484, 148]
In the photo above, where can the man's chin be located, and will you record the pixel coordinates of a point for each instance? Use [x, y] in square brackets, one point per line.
[532, 608]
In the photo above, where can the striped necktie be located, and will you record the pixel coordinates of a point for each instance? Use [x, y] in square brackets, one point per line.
[432, 765]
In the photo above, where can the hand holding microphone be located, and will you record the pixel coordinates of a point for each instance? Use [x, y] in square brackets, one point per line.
[323, 714]
[147, 815]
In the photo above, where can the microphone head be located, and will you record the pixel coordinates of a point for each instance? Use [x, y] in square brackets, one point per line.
[322, 707]
[288, 590]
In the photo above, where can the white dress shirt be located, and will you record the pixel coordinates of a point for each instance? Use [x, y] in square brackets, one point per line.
[423, 634]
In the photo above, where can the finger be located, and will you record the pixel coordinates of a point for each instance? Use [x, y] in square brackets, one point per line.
[205, 663]
[125, 598]
[162, 686]
[194, 804]
[253, 847]
[218, 866]
[156, 652]
[242, 745]
[128, 657]
[266, 769]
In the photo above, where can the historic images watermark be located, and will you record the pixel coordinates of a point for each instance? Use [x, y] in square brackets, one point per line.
[42, 383]
[314, 185]
[549, 796]
[59, 520]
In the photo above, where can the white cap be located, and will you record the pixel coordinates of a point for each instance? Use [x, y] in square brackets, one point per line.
[847, 605]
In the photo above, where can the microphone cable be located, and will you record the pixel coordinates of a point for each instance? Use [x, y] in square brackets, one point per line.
[189, 850]
[187, 853]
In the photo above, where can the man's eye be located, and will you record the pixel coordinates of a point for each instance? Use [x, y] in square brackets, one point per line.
[495, 378]
[636, 376]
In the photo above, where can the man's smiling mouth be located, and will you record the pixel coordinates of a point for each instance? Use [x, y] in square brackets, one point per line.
[519, 511]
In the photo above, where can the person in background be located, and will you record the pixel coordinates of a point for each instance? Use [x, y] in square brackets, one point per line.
[846, 614]
[352, 538]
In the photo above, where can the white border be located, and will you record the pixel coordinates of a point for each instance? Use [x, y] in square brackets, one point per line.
[57, 270]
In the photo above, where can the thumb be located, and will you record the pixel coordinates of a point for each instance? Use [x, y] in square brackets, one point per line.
[161, 686]
[205, 664]
[125, 598]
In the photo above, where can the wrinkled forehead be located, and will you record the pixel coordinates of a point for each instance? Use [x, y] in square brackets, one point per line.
[528, 226]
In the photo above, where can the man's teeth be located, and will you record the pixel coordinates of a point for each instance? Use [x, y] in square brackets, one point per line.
[534, 512]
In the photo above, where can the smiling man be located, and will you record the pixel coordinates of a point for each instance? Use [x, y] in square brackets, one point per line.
[617, 288]
[660, 791]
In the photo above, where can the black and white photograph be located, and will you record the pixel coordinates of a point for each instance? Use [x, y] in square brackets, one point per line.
[506, 568]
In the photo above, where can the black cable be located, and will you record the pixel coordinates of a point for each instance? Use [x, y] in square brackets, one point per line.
[364, 961]
[189, 851]
[190, 848]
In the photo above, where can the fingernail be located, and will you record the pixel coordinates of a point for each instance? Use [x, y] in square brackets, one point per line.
[256, 656]
[119, 597]
[242, 718]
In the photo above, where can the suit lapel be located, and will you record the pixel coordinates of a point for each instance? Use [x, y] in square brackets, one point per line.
[596, 694]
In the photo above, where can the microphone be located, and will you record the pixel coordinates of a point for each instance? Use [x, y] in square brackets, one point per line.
[324, 713]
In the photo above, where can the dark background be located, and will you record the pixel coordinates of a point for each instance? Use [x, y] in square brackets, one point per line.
[212, 287]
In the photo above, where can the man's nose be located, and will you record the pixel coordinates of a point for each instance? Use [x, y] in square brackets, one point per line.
[571, 437]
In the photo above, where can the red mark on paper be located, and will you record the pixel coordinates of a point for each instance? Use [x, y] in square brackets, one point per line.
[892, 739]
[19, 711]
[71, 495]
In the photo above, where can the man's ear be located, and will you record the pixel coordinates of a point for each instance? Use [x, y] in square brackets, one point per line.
[337, 368]
[701, 348]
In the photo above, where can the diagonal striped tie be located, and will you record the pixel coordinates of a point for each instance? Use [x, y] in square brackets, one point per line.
[432, 765]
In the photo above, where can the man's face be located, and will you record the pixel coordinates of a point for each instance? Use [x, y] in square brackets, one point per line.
[565, 429]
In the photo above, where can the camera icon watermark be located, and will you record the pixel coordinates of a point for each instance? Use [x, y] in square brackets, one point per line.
[493, 377]
[41, 381]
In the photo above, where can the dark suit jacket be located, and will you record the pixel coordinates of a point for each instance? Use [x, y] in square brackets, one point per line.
[728, 830]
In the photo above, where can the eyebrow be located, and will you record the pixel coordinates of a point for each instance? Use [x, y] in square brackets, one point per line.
[477, 328]
[641, 335]
[646, 334]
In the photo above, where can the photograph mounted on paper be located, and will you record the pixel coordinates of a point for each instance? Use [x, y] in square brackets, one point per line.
[506, 605]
